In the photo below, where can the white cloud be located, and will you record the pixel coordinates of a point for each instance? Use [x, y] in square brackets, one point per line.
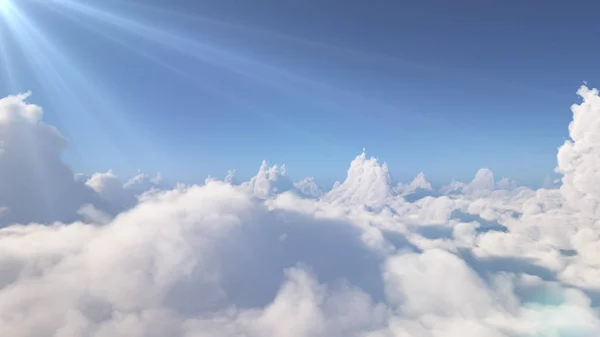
[36, 184]
[269, 180]
[419, 183]
[99, 256]
[230, 177]
[308, 187]
[578, 159]
[367, 183]
[33, 173]
[119, 195]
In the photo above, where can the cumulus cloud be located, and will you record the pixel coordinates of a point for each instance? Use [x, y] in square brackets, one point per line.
[119, 195]
[269, 181]
[418, 183]
[308, 187]
[577, 158]
[100, 256]
[36, 185]
[368, 183]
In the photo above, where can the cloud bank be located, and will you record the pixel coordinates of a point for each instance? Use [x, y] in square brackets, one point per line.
[100, 256]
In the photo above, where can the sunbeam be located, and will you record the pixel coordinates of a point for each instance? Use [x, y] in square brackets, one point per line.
[275, 77]
[68, 83]
[341, 50]
[6, 62]
[276, 121]
[5, 57]
[55, 63]
[4, 4]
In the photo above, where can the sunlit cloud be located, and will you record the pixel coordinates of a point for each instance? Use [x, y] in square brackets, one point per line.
[268, 257]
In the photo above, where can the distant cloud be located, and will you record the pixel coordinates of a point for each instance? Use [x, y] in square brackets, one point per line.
[308, 187]
[99, 256]
[269, 180]
[368, 183]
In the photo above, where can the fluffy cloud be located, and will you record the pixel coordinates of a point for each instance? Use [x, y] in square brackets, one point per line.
[36, 185]
[419, 183]
[33, 173]
[368, 183]
[119, 195]
[578, 158]
[100, 256]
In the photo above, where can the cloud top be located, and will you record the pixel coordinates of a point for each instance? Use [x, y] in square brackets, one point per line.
[103, 256]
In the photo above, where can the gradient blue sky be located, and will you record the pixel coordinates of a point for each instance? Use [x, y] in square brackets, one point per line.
[192, 88]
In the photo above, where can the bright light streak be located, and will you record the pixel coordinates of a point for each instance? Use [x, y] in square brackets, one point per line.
[4, 4]
[65, 82]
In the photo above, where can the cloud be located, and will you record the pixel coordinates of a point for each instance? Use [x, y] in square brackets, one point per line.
[367, 183]
[578, 159]
[36, 185]
[118, 195]
[103, 256]
[419, 183]
[309, 188]
[417, 189]
[269, 180]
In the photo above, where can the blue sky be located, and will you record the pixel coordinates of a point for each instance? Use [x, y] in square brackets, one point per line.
[194, 88]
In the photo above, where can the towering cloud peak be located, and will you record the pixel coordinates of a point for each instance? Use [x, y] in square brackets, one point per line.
[483, 182]
[308, 187]
[269, 180]
[579, 157]
[482, 185]
[368, 183]
[230, 177]
[418, 183]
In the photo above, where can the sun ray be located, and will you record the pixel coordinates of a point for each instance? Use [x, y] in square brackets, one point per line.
[69, 85]
[392, 59]
[4, 4]
[265, 115]
[6, 61]
[276, 78]
[19, 29]
[39, 52]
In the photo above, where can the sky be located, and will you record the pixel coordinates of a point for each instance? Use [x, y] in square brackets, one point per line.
[120, 216]
[194, 88]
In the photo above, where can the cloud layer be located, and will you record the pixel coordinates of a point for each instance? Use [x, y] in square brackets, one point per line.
[100, 256]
